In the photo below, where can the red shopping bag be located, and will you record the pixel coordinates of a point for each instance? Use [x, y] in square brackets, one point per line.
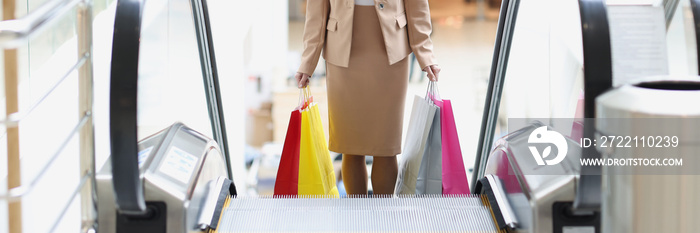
[287, 181]
[454, 177]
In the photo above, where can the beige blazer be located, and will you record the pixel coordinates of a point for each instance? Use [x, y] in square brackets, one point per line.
[405, 26]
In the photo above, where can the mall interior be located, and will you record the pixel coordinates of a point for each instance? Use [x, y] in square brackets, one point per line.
[174, 116]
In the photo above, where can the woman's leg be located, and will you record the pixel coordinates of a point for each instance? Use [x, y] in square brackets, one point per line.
[354, 174]
[384, 171]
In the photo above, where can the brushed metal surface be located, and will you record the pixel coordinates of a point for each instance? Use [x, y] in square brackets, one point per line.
[183, 197]
[532, 189]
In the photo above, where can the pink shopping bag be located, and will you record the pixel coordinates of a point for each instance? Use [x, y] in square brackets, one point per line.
[454, 177]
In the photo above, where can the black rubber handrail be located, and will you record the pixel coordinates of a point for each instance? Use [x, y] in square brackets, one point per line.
[122, 107]
[597, 76]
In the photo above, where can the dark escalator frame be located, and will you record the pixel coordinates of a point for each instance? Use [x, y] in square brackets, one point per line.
[123, 98]
[695, 5]
[597, 79]
[499, 63]
[211, 78]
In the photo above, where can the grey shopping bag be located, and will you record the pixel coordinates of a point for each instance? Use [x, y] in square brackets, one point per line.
[421, 120]
[429, 179]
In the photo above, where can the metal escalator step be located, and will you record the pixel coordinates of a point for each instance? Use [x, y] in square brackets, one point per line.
[465, 213]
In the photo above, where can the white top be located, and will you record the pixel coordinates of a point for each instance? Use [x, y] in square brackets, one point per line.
[364, 2]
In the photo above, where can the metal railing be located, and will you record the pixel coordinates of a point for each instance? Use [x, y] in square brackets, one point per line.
[15, 33]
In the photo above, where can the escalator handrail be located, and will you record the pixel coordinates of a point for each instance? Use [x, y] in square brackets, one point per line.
[128, 186]
[597, 76]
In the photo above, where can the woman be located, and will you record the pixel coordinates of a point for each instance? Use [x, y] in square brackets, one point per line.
[365, 44]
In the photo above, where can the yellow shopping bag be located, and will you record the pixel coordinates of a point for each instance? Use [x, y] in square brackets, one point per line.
[316, 175]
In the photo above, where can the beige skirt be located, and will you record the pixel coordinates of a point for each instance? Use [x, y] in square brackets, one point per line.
[366, 99]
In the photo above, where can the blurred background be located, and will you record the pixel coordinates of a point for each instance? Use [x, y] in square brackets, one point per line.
[463, 36]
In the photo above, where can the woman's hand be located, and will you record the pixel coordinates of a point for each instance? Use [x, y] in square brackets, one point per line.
[433, 72]
[302, 79]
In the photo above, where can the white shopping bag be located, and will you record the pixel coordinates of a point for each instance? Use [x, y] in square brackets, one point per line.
[419, 125]
[430, 173]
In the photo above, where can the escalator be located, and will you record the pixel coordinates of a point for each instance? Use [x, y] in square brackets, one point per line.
[176, 177]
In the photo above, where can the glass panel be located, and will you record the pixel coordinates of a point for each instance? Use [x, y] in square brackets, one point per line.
[45, 68]
[33, 4]
[43, 132]
[103, 31]
[546, 57]
[171, 87]
[48, 93]
[544, 77]
[43, 63]
[25, 6]
[681, 41]
[100, 5]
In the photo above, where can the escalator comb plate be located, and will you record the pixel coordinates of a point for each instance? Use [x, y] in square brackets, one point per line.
[464, 213]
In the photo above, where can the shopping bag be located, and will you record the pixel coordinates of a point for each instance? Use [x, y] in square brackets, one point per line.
[429, 179]
[316, 174]
[454, 177]
[287, 180]
[419, 125]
